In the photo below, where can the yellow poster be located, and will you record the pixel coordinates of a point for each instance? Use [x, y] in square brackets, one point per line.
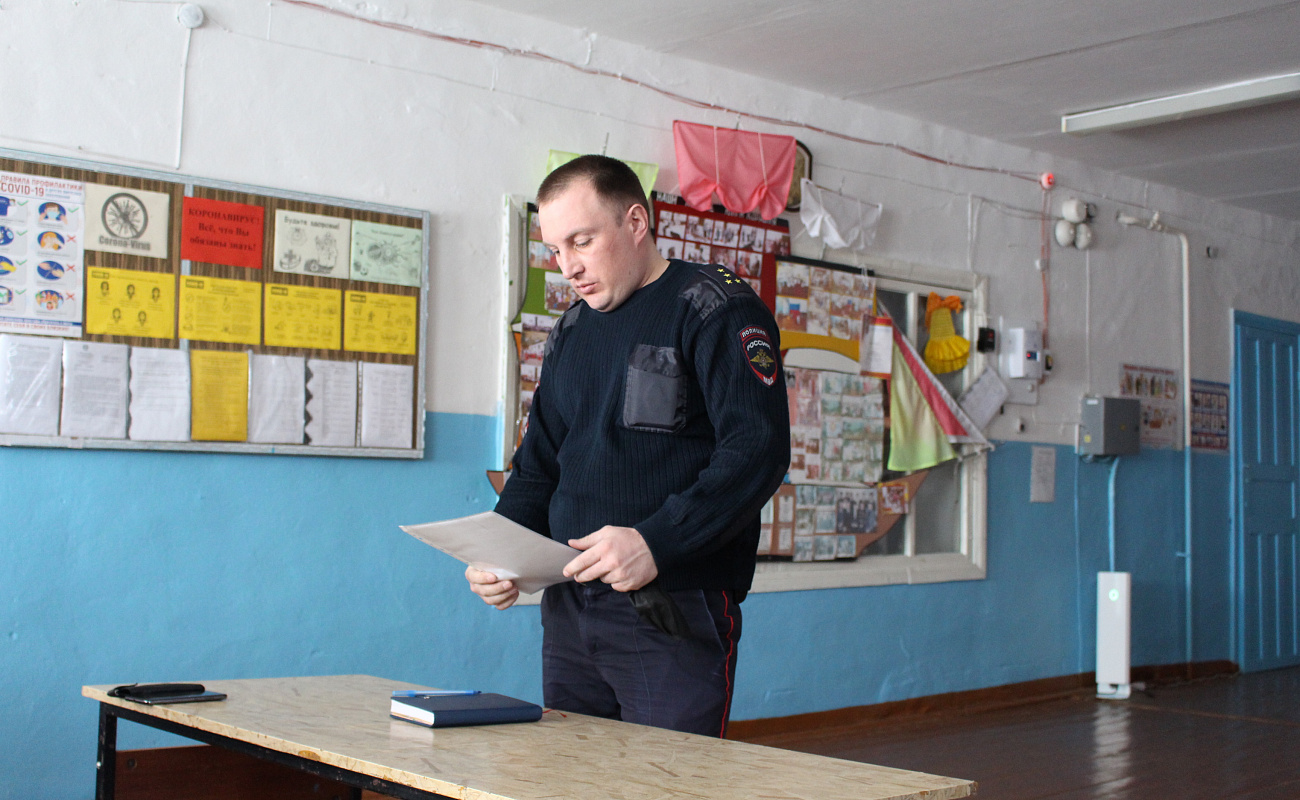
[130, 302]
[304, 316]
[220, 310]
[380, 323]
[219, 396]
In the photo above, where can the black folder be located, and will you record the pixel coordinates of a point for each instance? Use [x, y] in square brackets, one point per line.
[445, 711]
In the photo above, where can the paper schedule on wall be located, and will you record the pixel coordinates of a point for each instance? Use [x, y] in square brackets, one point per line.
[219, 396]
[130, 302]
[220, 310]
[312, 244]
[386, 411]
[331, 403]
[379, 323]
[387, 253]
[130, 221]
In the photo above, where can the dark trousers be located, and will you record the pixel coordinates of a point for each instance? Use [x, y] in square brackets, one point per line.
[600, 658]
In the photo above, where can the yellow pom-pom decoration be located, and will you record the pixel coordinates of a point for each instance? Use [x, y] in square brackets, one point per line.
[946, 351]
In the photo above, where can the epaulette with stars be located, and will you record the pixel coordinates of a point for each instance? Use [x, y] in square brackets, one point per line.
[712, 286]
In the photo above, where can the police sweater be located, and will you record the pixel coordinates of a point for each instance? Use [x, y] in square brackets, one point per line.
[667, 414]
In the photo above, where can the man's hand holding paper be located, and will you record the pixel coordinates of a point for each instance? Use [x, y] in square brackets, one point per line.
[490, 543]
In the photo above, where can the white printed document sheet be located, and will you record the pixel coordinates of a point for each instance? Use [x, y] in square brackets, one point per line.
[160, 395]
[276, 399]
[94, 390]
[30, 368]
[492, 543]
[331, 403]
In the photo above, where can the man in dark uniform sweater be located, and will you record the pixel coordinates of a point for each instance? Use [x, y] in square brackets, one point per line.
[658, 430]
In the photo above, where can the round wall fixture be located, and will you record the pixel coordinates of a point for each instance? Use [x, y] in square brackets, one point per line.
[1064, 232]
[190, 15]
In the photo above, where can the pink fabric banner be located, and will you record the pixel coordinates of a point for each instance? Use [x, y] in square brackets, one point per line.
[745, 170]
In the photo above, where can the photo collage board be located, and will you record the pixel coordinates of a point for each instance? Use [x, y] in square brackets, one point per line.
[837, 504]
[167, 312]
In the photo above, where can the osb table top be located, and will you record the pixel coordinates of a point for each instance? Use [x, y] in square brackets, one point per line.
[343, 720]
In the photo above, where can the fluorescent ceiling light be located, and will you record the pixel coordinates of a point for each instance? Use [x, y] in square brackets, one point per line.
[1181, 106]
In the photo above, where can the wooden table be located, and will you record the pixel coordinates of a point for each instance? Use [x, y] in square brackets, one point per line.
[338, 727]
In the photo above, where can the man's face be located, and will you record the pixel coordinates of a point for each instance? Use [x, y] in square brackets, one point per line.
[596, 246]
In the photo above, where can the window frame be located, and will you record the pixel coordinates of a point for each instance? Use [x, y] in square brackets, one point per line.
[969, 563]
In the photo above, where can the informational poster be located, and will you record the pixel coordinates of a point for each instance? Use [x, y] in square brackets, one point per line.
[160, 395]
[386, 253]
[1210, 415]
[30, 367]
[220, 310]
[303, 316]
[380, 323]
[312, 244]
[219, 396]
[130, 302]
[130, 221]
[218, 232]
[42, 222]
[387, 413]
[331, 403]
[94, 390]
[276, 399]
[1157, 390]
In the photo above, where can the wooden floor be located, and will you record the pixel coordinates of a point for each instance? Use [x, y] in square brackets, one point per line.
[1227, 737]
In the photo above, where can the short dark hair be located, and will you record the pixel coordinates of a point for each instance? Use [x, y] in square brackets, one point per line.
[614, 182]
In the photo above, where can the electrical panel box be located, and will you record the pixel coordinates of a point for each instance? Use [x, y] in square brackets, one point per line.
[1024, 353]
[1110, 426]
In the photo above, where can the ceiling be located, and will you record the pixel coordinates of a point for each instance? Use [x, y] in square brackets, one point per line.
[1009, 69]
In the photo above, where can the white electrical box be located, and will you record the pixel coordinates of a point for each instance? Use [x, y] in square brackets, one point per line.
[1023, 353]
[1113, 634]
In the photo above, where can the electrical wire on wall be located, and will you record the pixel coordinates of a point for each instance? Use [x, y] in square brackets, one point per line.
[586, 69]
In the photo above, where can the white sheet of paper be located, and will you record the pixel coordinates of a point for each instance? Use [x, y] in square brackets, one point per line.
[94, 390]
[277, 388]
[160, 395]
[331, 403]
[490, 542]
[29, 384]
[387, 404]
[876, 349]
[984, 397]
[1042, 475]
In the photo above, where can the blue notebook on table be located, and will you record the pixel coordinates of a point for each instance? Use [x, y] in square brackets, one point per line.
[473, 709]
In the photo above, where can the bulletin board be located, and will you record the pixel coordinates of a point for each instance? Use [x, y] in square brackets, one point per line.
[193, 314]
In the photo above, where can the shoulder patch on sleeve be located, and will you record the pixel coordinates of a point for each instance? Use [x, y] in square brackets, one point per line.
[712, 286]
[566, 321]
[760, 354]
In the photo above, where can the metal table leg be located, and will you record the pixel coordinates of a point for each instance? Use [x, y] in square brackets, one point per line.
[106, 765]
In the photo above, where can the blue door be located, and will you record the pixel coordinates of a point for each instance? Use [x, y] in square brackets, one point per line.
[1267, 474]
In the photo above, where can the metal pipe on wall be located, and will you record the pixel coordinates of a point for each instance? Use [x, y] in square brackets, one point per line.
[1154, 224]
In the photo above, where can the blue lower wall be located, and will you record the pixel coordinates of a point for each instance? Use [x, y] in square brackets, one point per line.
[150, 566]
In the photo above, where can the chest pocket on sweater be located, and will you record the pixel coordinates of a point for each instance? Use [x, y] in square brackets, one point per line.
[654, 395]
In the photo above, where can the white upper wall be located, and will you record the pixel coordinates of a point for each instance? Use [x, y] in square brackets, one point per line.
[291, 96]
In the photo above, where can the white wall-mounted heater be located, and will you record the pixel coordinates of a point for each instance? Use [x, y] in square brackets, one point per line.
[1113, 634]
